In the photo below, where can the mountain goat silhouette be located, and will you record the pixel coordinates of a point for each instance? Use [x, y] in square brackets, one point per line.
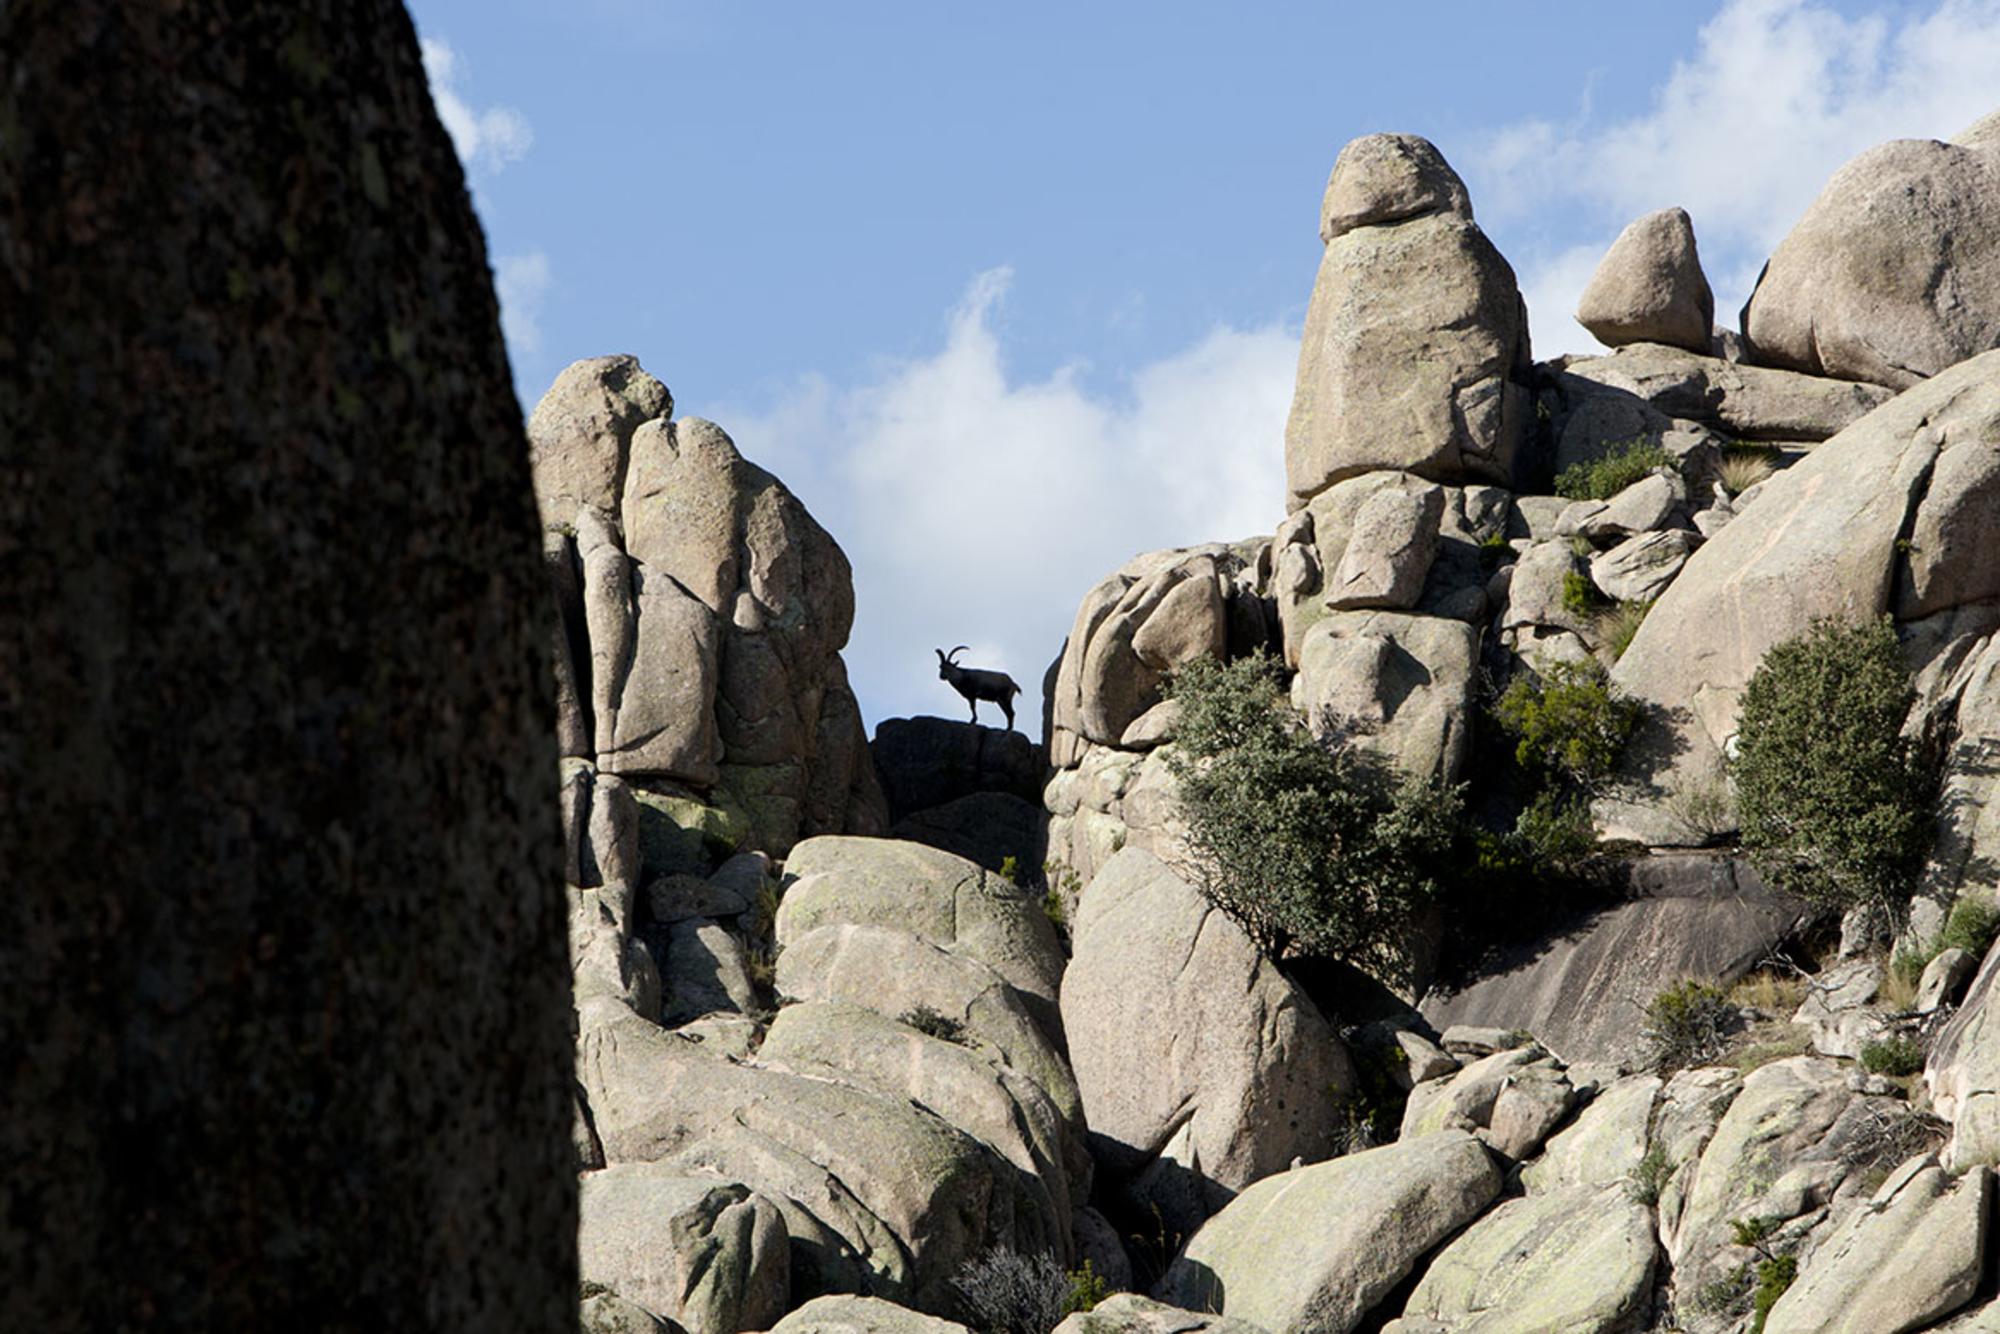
[977, 683]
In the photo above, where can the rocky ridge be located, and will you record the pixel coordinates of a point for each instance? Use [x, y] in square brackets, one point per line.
[823, 1074]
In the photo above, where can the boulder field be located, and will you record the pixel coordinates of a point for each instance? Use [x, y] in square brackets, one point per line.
[912, 1034]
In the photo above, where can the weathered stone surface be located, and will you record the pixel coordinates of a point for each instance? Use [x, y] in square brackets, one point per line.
[1649, 503]
[581, 432]
[1581, 989]
[1820, 540]
[1202, 1067]
[1837, 1010]
[1416, 342]
[1389, 552]
[1944, 977]
[1007, 1111]
[1649, 287]
[1605, 1142]
[1640, 568]
[704, 971]
[926, 762]
[861, 1315]
[1580, 1258]
[1111, 800]
[1535, 596]
[953, 903]
[879, 1195]
[1914, 1254]
[893, 972]
[1784, 1110]
[1892, 275]
[710, 1255]
[282, 978]
[1963, 1071]
[1317, 1247]
[1116, 660]
[1097, 1245]
[1402, 683]
[1589, 420]
[1742, 402]
[1383, 178]
[608, 1313]
[665, 718]
[1511, 1100]
[1129, 1313]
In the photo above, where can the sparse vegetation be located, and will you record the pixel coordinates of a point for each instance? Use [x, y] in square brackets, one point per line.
[1649, 1176]
[1495, 550]
[1615, 628]
[1603, 478]
[1834, 801]
[1774, 1276]
[1007, 1293]
[1688, 1024]
[1580, 596]
[1972, 926]
[1744, 467]
[933, 1023]
[1894, 1056]
[1309, 844]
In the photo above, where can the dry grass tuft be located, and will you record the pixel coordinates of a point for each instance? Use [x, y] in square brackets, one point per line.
[1742, 469]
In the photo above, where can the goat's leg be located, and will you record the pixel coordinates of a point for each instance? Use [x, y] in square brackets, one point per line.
[1008, 706]
[975, 708]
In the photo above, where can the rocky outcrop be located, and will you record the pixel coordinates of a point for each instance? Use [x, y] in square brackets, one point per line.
[1893, 274]
[1581, 986]
[283, 957]
[861, 1315]
[1914, 1253]
[710, 1256]
[1129, 1313]
[1415, 354]
[1963, 1071]
[1398, 685]
[971, 790]
[1202, 1067]
[1318, 1247]
[1509, 1101]
[1740, 402]
[1834, 535]
[1580, 1258]
[714, 609]
[1649, 287]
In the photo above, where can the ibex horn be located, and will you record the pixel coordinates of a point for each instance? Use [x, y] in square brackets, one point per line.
[955, 652]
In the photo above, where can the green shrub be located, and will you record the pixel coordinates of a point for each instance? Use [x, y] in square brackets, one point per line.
[1688, 1024]
[1973, 923]
[1774, 1276]
[1834, 801]
[1087, 1288]
[1580, 596]
[1007, 1293]
[1569, 725]
[1894, 1056]
[1495, 550]
[933, 1023]
[1558, 830]
[1310, 845]
[1601, 479]
[1649, 1177]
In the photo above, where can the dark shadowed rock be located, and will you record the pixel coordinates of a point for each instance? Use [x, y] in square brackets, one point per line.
[1581, 987]
[282, 979]
[926, 762]
[990, 828]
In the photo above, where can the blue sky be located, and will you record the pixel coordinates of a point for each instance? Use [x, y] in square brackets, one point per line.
[1011, 293]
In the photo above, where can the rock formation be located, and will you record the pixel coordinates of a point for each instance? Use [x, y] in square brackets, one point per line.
[706, 664]
[1649, 287]
[284, 1000]
[1893, 274]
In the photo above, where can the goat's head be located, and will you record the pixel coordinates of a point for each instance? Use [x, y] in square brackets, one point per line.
[948, 663]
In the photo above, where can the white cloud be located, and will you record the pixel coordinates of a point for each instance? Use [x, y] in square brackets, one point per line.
[486, 140]
[979, 509]
[520, 282]
[1778, 94]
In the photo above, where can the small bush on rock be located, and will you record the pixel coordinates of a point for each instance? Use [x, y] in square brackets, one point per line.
[1311, 845]
[1601, 479]
[1892, 1056]
[1834, 801]
[1617, 627]
[1580, 596]
[1688, 1024]
[933, 1023]
[1569, 725]
[1649, 1177]
[1974, 922]
[1007, 1293]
